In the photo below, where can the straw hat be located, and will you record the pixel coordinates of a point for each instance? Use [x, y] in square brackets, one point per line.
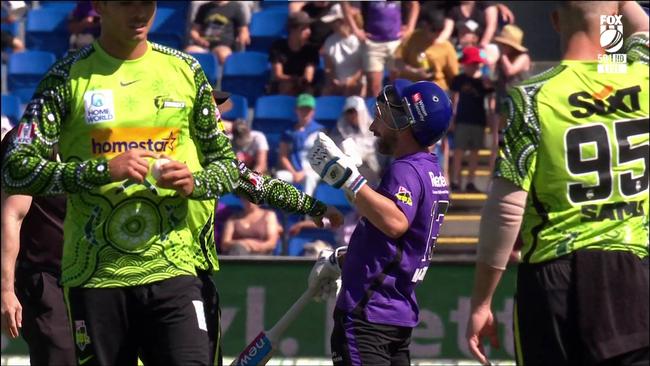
[513, 36]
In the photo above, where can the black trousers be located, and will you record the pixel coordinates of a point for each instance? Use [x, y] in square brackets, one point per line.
[164, 321]
[355, 341]
[46, 327]
[212, 308]
[586, 308]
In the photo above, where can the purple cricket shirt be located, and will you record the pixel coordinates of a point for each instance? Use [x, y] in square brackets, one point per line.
[379, 273]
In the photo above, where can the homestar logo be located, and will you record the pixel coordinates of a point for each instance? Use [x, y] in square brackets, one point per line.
[111, 142]
[611, 40]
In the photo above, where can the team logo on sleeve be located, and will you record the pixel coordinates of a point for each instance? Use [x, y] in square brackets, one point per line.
[99, 106]
[404, 195]
[26, 133]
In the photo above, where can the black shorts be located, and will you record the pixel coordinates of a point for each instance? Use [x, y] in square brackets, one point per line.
[586, 308]
[45, 325]
[164, 321]
[210, 297]
[356, 341]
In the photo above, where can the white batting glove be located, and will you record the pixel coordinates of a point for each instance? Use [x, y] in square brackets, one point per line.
[334, 167]
[326, 271]
[329, 288]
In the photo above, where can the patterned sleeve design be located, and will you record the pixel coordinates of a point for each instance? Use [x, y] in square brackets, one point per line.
[636, 47]
[219, 174]
[260, 189]
[26, 167]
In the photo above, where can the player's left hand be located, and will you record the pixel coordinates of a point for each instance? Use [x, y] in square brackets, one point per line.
[334, 167]
[331, 218]
[177, 176]
[325, 269]
[482, 323]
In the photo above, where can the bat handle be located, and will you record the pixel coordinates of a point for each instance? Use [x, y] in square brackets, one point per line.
[278, 329]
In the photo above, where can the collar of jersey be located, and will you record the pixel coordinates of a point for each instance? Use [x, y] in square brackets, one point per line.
[103, 54]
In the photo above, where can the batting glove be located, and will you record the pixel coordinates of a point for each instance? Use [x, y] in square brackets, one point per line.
[325, 272]
[334, 167]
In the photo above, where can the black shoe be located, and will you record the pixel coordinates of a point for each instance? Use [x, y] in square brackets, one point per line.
[471, 188]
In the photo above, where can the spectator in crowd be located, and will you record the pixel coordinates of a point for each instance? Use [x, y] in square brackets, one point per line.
[343, 57]
[381, 34]
[513, 67]
[469, 120]
[12, 11]
[421, 57]
[480, 16]
[254, 230]
[295, 144]
[468, 37]
[514, 62]
[293, 61]
[251, 147]
[219, 27]
[317, 10]
[83, 25]
[342, 234]
[352, 133]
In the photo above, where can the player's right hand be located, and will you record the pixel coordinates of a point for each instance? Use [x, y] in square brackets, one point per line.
[12, 314]
[482, 323]
[131, 164]
[334, 218]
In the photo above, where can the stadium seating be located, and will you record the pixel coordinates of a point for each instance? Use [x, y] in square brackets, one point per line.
[370, 103]
[329, 109]
[231, 201]
[274, 114]
[170, 26]
[239, 109]
[11, 108]
[61, 6]
[46, 30]
[297, 243]
[266, 26]
[25, 70]
[332, 196]
[246, 73]
[272, 4]
[209, 64]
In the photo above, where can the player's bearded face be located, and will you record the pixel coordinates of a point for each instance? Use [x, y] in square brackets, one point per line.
[386, 137]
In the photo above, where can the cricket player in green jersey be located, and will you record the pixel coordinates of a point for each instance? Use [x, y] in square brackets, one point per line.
[572, 175]
[129, 254]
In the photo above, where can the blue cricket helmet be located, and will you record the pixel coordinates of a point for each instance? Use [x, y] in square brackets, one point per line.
[422, 105]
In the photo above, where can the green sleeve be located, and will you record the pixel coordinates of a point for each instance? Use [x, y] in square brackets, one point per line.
[517, 154]
[219, 174]
[636, 48]
[27, 168]
[263, 189]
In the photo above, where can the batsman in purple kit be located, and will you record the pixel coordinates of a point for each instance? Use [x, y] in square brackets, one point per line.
[390, 249]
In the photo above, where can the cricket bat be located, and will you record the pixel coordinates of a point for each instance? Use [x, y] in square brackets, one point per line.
[260, 349]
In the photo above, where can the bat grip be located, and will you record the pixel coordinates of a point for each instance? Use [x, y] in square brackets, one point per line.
[281, 326]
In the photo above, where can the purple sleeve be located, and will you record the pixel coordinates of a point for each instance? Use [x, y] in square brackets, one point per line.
[402, 185]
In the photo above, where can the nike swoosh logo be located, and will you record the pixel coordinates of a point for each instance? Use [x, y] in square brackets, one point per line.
[127, 83]
[84, 360]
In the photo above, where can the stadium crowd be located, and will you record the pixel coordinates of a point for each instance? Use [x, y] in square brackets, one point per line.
[345, 50]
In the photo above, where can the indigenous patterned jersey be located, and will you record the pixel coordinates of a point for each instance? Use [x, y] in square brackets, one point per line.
[380, 274]
[577, 141]
[256, 188]
[97, 107]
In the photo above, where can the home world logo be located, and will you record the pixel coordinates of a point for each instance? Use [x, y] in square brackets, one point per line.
[611, 40]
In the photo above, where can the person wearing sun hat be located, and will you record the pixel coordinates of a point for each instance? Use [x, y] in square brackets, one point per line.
[514, 62]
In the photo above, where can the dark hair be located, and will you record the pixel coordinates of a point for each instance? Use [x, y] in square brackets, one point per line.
[432, 19]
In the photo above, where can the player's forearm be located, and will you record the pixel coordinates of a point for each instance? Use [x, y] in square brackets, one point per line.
[220, 175]
[25, 171]
[486, 279]
[277, 193]
[10, 249]
[381, 212]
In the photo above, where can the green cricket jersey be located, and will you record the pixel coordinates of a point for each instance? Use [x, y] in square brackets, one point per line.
[577, 142]
[96, 107]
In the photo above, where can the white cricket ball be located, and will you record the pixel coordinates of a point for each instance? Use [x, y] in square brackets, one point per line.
[157, 166]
